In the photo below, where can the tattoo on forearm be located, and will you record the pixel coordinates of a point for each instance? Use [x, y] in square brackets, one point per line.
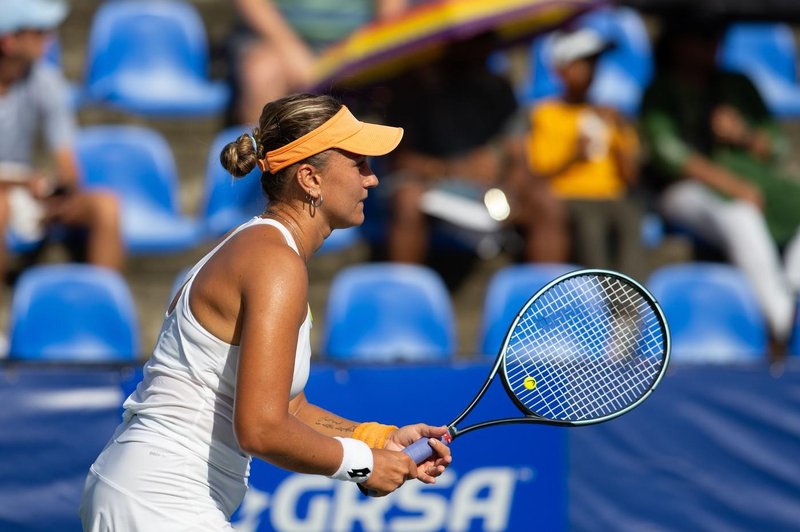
[337, 425]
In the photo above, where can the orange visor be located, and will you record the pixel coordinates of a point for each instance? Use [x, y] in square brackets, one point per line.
[343, 131]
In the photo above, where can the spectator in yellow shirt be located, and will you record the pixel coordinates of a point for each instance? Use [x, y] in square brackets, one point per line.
[590, 157]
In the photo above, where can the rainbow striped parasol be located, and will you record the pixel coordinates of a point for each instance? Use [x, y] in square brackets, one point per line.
[382, 49]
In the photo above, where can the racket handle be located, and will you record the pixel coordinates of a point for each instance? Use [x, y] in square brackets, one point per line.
[420, 450]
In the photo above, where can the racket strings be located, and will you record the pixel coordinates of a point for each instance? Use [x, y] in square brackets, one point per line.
[620, 322]
[586, 348]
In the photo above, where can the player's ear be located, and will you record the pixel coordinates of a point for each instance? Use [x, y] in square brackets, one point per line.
[309, 179]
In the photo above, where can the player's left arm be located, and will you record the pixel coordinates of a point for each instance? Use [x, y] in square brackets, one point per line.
[321, 420]
[376, 435]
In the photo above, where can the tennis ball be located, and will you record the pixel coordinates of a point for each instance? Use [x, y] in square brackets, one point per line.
[529, 383]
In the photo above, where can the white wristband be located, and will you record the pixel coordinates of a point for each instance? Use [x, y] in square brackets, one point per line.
[356, 461]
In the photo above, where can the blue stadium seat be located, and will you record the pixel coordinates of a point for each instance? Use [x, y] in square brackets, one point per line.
[73, 312]
[229, 202]
[388, 312]
[137, 163]
[622, 73]
[151, 57]
[767, 53]
[712, 312]
[509, 288]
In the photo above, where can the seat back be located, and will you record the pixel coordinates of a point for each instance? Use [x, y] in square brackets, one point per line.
[509, 289]
[712, 312]
[756, 47]
[134, 161]
[385, 312]
[153, 39]
[73, 312]
[229, 201]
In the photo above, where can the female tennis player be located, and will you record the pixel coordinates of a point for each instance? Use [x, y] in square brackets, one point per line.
[225, 380]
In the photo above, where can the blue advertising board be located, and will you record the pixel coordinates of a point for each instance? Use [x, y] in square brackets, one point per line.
[500, 476]
[715, 448]
[57, 419]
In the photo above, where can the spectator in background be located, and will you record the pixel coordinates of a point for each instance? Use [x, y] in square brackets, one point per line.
[275, 42]
[34, 99]
[463, 130]
[716, 154]
[589, 155]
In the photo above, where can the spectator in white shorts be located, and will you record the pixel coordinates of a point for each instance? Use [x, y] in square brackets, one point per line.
[34, 100]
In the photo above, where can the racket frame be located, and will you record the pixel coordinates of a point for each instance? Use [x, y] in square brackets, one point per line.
[531, 417]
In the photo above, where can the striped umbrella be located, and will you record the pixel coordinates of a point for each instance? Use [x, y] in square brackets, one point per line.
[381, 49]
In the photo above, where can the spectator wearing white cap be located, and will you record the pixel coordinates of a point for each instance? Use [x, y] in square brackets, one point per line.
[33, 102]
[589, 156]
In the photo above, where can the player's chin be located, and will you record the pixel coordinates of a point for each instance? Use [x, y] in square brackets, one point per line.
[356, 217]
[353, 218]
[347, 224]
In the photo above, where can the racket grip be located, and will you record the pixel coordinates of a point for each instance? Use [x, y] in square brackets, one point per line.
[420, 450]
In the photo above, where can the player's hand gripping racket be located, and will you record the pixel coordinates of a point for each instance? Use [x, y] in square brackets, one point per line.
[588, 347]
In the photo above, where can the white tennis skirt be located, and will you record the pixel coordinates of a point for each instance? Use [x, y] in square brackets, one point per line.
[137, 486]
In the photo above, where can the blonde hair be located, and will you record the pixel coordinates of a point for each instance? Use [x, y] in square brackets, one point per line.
[282, 121]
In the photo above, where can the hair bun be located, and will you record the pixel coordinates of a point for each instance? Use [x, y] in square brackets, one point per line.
[239, 157]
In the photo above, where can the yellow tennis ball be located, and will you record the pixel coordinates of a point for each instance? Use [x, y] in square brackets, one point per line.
[529, 383]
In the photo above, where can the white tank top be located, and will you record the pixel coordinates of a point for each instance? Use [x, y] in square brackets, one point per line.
[188, 388]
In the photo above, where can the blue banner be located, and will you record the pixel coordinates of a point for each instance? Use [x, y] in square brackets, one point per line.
[714, 448]
[53, 422]
[500, 477]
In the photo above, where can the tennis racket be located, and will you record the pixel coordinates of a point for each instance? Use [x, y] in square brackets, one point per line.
[589, 346]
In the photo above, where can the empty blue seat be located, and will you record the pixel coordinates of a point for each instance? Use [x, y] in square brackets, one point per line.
[151, 57]
[622, 73]
[767, 53]
[712, 312]
[137, 163]
[73, 312]
[509, 289]
[386, 312]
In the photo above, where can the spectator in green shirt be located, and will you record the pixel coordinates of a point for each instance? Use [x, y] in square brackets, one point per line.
[716, 164]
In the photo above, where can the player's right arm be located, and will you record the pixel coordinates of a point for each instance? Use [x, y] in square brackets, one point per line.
[273, 306]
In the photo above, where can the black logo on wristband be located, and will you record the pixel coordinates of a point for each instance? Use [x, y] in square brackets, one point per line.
[359, 473]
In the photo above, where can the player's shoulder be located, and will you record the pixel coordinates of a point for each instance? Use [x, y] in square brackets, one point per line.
[262, 242]
[260, 253]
